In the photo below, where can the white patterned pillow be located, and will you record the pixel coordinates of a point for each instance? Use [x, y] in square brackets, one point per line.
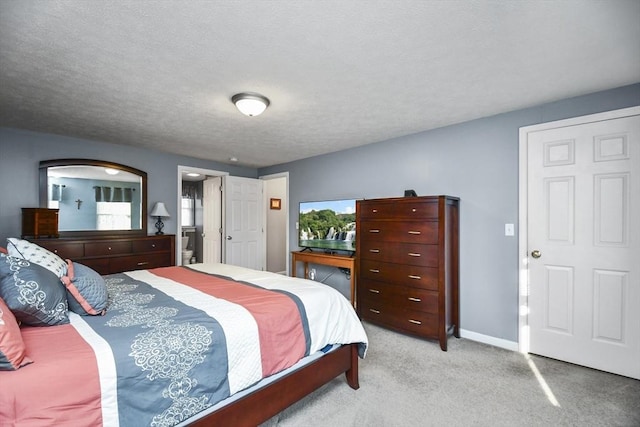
[37, 255]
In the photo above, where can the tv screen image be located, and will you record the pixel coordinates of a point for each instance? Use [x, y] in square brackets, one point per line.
[329, 225]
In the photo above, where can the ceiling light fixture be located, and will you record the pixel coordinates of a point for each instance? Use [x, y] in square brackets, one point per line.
[250, 104]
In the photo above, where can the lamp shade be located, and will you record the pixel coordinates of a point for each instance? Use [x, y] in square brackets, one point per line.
[160, 210]
[250, 104]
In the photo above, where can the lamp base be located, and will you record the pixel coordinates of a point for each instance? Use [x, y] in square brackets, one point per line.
[159, 226]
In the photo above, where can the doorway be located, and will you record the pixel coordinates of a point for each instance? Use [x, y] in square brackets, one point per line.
[276, 190]
[276, 221]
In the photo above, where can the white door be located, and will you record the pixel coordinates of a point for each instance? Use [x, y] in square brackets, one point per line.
[212, 220]
[583, 243]
[243, 219]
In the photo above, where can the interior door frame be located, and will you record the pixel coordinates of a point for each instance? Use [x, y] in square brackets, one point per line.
[523, 248]
[284, 175]
[178, 230]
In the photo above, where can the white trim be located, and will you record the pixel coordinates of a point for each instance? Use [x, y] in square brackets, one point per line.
[486, 339]
[523, 250]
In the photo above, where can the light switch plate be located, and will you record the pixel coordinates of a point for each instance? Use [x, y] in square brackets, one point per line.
[509, 230]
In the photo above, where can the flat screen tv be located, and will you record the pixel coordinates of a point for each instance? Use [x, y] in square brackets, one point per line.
[328, 225]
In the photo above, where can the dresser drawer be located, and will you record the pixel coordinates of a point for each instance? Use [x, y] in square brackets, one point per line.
[409, 275]
[64, 250]
[400, 209]
[374, 210]
[408, 210]
[382, 294]
[100, 265]
[400, 253]
[139, 262]
[151, 245]
[113, 247]
[395, 231]
[418, 322]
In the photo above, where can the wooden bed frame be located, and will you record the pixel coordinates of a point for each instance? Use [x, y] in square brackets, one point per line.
[266, 402]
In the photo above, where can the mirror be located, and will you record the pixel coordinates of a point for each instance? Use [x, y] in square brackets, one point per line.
[94, 198]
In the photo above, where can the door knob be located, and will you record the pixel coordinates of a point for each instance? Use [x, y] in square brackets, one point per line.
[229, 237]
[536, 254]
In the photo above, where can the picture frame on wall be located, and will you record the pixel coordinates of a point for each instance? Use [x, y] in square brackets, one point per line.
[275, 203]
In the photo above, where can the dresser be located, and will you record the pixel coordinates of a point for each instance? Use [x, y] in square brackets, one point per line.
[407, 265]
[115, 254]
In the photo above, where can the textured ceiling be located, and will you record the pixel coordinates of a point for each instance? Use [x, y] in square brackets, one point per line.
[339, 74]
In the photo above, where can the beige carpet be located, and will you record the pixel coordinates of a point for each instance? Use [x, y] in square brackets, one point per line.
[405, 381]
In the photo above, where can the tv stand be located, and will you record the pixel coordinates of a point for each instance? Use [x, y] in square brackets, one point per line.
[333, 260]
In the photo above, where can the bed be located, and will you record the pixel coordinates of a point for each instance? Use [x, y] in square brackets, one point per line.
[205, 344]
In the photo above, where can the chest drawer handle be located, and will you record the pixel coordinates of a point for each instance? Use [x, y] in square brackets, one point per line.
[143, 263]
[375, 291]
[414, 299]
[374, 231]
[373, 270]
[414, 254]
[109, 248]
[374, 311]
[413, 232]
[375, 251]
[411, 276]
[413, 210]
[153, 245]
[415, 322]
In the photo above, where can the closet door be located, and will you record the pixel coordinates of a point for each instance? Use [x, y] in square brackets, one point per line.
[584, 243]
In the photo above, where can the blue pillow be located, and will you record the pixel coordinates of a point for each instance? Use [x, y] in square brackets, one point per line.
[86, 290]
[34, 294]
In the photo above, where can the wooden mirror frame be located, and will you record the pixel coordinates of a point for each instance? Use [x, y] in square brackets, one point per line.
[43, 193]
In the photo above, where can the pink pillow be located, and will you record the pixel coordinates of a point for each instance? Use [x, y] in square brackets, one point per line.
[12, 349]
[3, 250]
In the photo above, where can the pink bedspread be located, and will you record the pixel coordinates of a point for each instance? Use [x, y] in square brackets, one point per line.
[52, 393]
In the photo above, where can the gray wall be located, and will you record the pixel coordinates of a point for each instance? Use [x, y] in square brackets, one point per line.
[476, 161]
[21, 152]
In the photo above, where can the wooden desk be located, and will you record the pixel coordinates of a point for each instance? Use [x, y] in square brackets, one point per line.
[341, 261]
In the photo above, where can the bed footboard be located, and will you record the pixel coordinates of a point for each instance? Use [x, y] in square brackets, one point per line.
[263, 404]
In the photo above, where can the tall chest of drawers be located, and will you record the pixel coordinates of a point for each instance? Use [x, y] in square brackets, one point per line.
[407, 265]
[115, 254]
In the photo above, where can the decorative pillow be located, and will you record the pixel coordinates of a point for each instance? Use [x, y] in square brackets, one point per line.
[86, 290]
[33, 293]
[3, 250]
[37, 254]
[12, 350]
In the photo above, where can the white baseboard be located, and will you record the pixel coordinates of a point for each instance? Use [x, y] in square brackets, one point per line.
[486, 339]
